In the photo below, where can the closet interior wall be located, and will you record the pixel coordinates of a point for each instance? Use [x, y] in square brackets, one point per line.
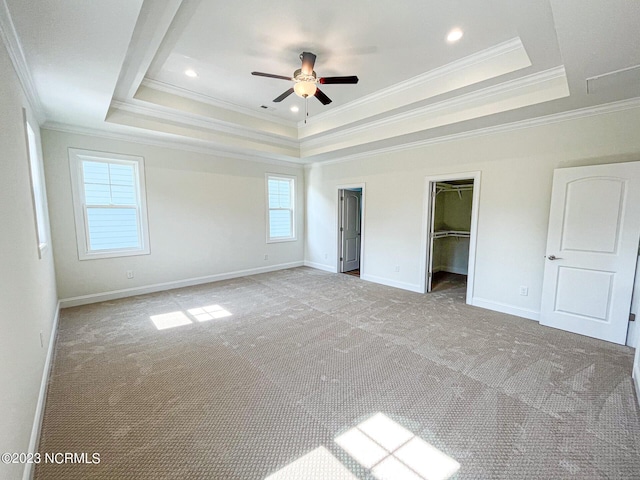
[452, 223]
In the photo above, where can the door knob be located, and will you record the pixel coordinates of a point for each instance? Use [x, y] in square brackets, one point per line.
[553, 257]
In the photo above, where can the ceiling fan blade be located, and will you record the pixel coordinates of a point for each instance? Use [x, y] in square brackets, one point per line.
[322, 97]
[284, 95]
[270, 75]
[308, 61]
[328, 80]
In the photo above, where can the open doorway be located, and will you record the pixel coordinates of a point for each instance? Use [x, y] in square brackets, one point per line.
[350, 221]
[450, 238]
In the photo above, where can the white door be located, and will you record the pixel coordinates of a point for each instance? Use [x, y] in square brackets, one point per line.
[351, 230]
[592, 247]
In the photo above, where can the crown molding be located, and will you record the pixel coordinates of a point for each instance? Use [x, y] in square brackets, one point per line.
[199, 97]
[174, 142]
[168, 114]
[11, 41]
[198, 146]
[451, 68]
[200, 121]
[569, 115]
[475, 97]
[488, 64]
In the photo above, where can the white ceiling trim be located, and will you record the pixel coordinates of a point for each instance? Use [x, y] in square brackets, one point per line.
[10, 39]
[458, 109]
[146, 137]
[198, 97]
[213, 137]
[541, 86]
[498, 60]
[179, 103]
[203, 122]
[174, 142]
[153, 23]
[570, 115]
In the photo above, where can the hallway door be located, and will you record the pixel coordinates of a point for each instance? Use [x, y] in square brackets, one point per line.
[350, 228]
[592, 248]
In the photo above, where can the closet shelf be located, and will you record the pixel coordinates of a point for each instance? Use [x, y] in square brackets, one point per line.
[451, 233]
[445, 187]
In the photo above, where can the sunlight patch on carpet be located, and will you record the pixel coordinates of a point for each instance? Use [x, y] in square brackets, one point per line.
[210, 312]
[392, 452]
[170, 320]
[319, 464]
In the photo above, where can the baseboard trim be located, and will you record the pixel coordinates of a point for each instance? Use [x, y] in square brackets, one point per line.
[320, 266]
[158, 287]
[506, 308]
[391, 283]
[448, 269]
[42, 395]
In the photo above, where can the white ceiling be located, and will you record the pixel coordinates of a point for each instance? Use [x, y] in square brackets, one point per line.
[119, 66]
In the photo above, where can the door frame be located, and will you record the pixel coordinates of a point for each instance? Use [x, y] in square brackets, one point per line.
[339, 189]
[473, 235]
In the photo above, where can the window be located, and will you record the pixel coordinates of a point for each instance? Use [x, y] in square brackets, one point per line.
[280, 211]
[37, 187]
[109, 203]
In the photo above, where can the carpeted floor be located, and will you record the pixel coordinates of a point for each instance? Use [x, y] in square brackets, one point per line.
[302, 374]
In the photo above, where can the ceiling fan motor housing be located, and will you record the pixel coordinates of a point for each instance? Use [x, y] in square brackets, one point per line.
[308, 61]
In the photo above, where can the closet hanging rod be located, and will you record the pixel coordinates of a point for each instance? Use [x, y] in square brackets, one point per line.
[451, 233]
[445, 187]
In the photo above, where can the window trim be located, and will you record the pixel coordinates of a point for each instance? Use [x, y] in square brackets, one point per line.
[292, 179]
[76, 157]
[37, 186]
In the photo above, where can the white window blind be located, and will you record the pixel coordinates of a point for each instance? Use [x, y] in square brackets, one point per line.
[280, 193]
[109, 202]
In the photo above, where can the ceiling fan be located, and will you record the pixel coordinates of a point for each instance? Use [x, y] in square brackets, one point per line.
[307, 81]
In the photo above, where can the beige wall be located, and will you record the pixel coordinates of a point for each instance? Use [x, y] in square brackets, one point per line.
[206, 218]
[27, 283]
[515, 189]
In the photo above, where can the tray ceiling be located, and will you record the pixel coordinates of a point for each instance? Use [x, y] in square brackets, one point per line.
[119, 67]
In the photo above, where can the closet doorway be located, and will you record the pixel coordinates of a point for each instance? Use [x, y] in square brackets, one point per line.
[350, 231]
[451, 232]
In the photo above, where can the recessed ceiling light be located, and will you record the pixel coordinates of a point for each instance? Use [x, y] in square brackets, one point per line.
[190, 73]
[295, 109]
[454, 35]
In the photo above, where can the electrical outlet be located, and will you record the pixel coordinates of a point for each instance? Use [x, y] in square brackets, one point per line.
[524, 291]
[397, 268]
[326, 256]
[266, 257]
[129, 274]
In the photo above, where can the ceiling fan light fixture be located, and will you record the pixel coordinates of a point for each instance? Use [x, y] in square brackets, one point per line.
[305, 89]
